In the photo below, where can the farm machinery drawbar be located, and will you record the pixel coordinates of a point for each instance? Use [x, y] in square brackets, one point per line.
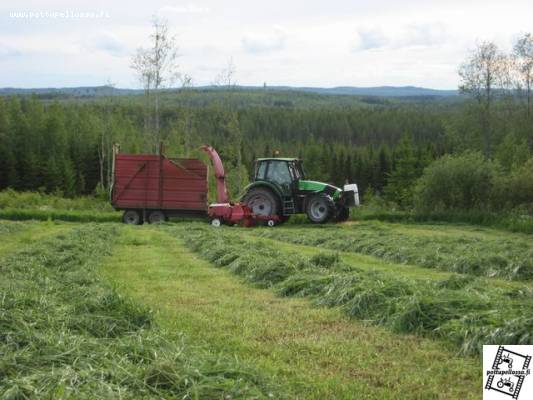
[153, 187]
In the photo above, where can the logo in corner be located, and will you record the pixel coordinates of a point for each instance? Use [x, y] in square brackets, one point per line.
[507, 372]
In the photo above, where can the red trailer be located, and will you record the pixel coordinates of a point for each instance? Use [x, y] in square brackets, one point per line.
[153, 187]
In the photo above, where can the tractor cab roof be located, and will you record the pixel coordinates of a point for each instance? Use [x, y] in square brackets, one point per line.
[278, 159]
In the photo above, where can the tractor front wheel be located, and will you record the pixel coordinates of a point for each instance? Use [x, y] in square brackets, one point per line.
[320, 208]
[261, 201]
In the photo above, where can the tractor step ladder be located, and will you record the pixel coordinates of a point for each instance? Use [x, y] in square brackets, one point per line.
[288, 206]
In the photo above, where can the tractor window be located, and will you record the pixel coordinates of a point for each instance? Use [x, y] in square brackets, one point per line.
[261, 169]
[295, 172]
[278, 172]
[300, 169]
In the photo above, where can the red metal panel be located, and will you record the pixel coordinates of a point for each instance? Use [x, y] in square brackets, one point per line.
[138, 184]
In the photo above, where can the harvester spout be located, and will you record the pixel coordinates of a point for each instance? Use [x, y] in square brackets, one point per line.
[222, 191]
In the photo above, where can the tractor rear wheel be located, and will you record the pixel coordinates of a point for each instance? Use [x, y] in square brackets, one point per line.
[261, 201]
[320, 208]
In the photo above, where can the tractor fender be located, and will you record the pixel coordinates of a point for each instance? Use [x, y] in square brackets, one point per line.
[264, 184]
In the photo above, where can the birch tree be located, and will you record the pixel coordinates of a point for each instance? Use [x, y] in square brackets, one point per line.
[156, 68]
[481, 76]
[523, 61]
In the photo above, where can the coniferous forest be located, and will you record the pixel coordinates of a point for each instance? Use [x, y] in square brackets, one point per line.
[437, 153]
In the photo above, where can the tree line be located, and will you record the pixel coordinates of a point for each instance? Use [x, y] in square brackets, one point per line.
[65, 145]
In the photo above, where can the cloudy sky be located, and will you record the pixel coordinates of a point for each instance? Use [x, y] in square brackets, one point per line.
[280, 42]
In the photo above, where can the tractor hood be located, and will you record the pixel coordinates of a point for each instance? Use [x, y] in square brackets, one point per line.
[349, 196]
[314, 186]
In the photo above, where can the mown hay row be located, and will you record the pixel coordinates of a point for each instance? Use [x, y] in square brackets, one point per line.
[459, 310]
[64, 333]
[11, 227]
[22, 214]
[502, 258]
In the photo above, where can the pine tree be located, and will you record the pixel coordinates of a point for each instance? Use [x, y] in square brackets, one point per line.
[53, 176]
[402, 179]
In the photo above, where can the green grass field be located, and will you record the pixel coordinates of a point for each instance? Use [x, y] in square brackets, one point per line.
[367, 310]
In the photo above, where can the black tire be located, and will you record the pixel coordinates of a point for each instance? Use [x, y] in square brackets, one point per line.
[343, 213]
[261, 201]
[320, 208]
[156, 217]
[132, 217]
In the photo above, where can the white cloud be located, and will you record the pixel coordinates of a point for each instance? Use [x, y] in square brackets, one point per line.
[8, 51]
[184, 9]
[264, 42]
[109, 43]
[371, 38]
[428, 34]
[395, 37]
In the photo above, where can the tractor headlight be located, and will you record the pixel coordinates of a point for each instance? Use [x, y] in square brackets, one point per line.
[350, 194]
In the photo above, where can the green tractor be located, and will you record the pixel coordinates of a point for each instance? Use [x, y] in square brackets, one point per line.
[280, 188]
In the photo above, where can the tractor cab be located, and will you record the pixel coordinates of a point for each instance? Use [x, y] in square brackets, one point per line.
[282, 172]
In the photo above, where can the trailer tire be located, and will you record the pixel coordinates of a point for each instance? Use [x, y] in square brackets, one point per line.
[320, 208]
[156, 217]
[132, 217]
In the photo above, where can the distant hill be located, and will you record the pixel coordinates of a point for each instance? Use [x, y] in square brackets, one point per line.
[89, 91]
[378, 91]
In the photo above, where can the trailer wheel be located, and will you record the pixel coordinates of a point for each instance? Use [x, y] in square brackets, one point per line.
[156, 217]
[132, 217]
[215, 222]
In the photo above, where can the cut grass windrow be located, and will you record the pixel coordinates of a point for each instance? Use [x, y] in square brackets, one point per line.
[7, 227]
[481, 255]
[22, 214]
[458, 310]
[64, 333]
